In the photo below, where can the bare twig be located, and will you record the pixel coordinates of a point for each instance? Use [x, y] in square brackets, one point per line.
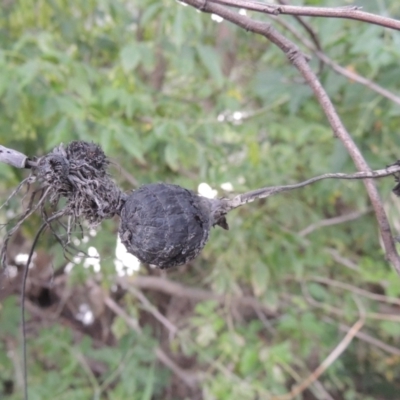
[152, 309]
[113, 306]
[341, 260]
[333, 221]
[269, 191]
[338, 311]
[176, 289]
[355, 290]
[347, 12]
[310, 30]
[365, 337]
[361, 335]
[353, 76]
[191, 379]
[317, 388]
[167, 286]
[358, 78]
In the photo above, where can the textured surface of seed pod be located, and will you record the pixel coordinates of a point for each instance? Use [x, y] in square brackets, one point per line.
[165, 225]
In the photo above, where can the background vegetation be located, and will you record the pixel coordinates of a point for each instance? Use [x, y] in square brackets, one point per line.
[174, 95]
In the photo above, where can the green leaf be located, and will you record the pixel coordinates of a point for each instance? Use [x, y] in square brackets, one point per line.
[210, 60]
[249, 361]
[391, 328]
[260, 278]
[9, 316]
[149, 388]
[28, 72]
[129, 141]
[171, 157]
[130, 57]
[150, 13]
[60, 133]
[178, 31]
[317, 291]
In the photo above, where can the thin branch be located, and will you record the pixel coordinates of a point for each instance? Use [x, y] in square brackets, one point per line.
[353, 76]
[338, 311]
[317, 388]
[131, 322]
[355, 290]
[346, 262]
[310, 30]
[385, 317]
[361, 335]
[176, 289]
[365, 337]
[249, 197]
[333, 221]
[191, 379]
[300, 62]
[167, 286]
[358, 78]
[148, 306]
[346, 12]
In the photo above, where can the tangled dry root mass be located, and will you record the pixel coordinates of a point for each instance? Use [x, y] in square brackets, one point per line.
[78, 173]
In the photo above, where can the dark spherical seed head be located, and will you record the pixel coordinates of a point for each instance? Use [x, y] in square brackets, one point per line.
[165, 225]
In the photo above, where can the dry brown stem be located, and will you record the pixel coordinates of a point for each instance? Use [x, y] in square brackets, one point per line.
[333, 221]
[347, 12]
[167, 286]
[351, 75]
[355, 290]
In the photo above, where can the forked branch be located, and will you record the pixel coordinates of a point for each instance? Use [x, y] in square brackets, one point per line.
[347, 12]
[300, 62]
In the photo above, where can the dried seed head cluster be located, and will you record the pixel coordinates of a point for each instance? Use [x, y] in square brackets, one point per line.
[78, 173]
[164, 225]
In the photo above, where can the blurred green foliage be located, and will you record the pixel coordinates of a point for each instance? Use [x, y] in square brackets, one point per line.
[172, 95]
